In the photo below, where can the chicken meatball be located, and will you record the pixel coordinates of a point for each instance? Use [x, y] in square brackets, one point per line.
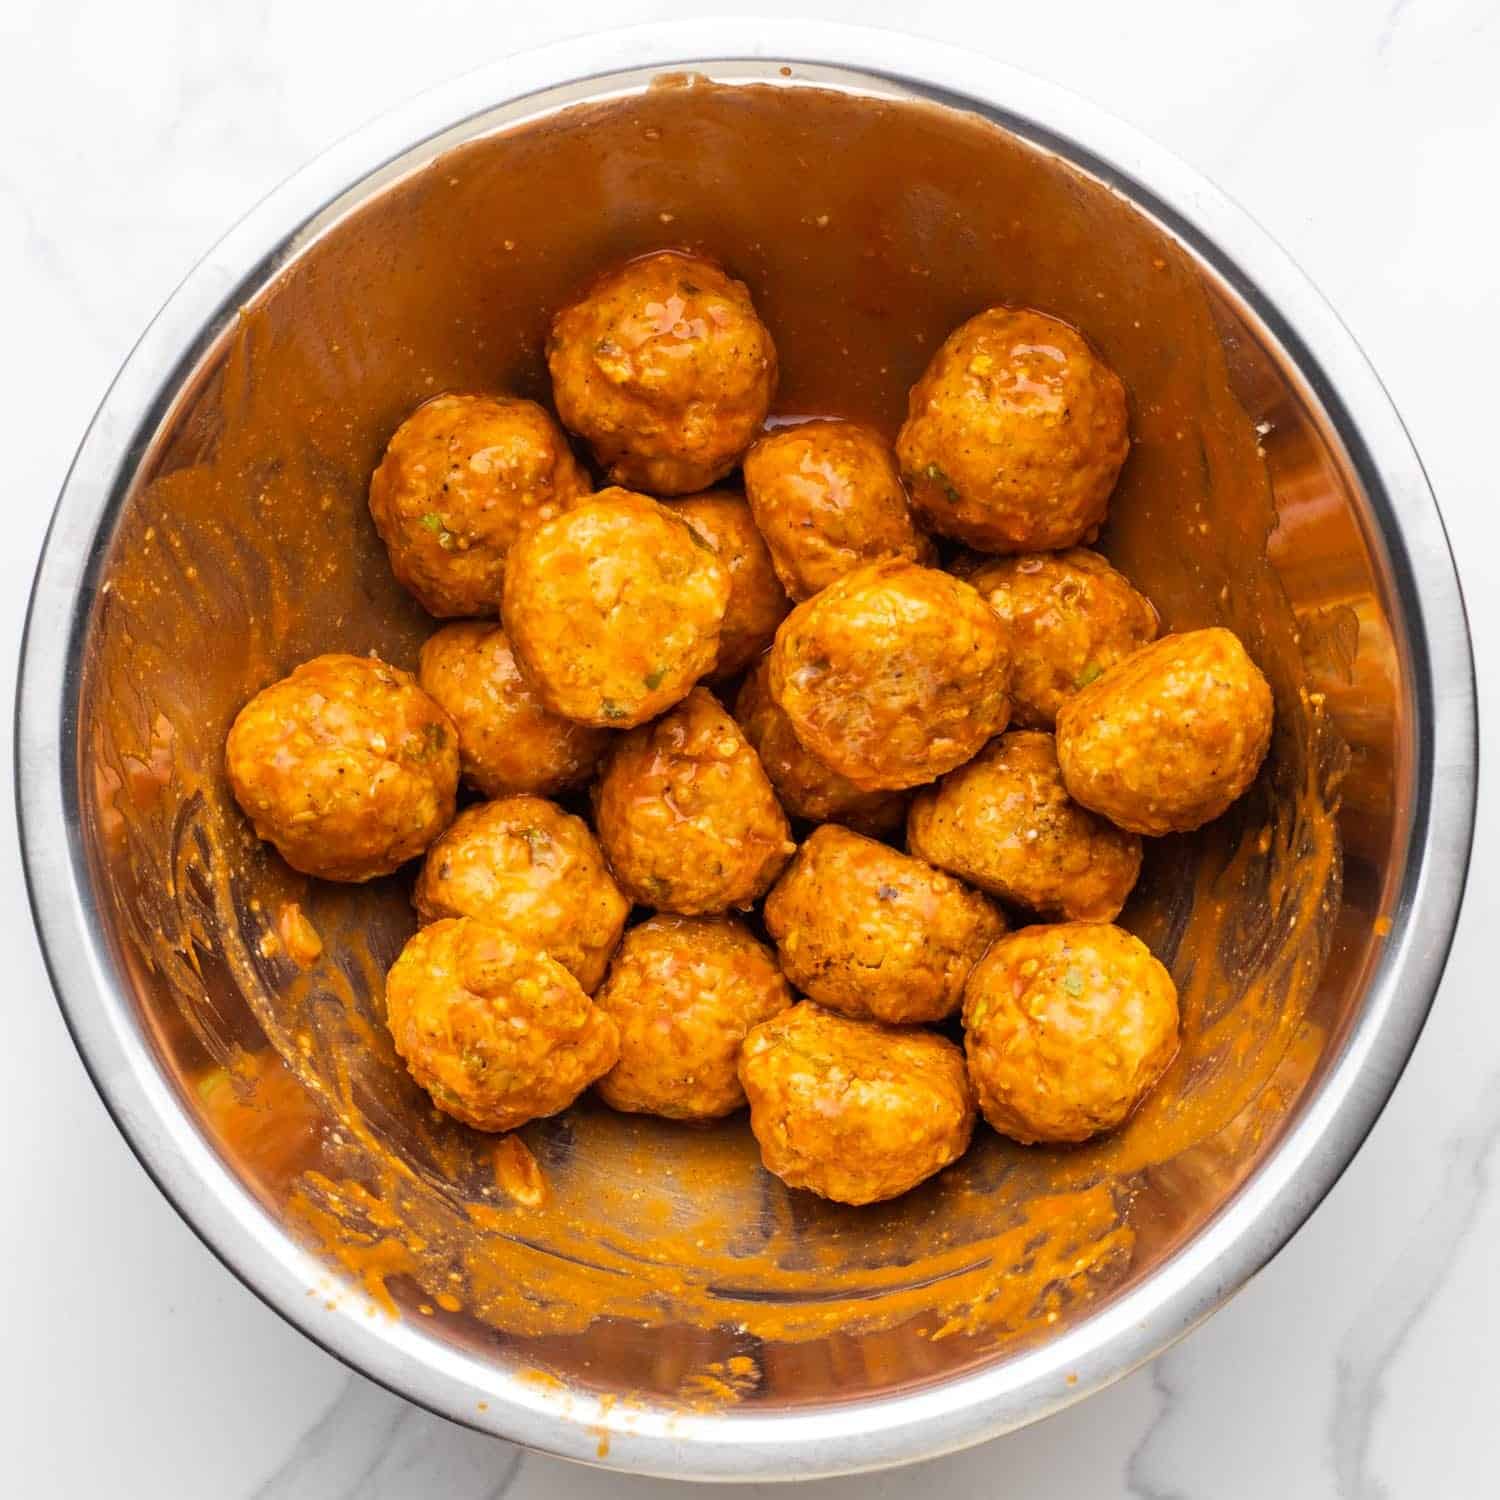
[864, 929]
[460, 480]
[1067, 1029]
[1014, 435]
[507, 742]
[614, 609]
[686, 814]
[757, 601]
[1071, 617]
[893, 675]
[684, 991]
[524, 866]
[853, 1110]
[495, 1030]
[1167, 739]
[1006, 823]
[806, 787]
[346, 766]
[828, 498]
[665, 370]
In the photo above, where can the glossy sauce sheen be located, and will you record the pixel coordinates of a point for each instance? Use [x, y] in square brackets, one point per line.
[866, 231]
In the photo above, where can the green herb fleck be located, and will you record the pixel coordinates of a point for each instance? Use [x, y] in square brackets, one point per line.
[1090, 673]
[437, 737]
[535, 838]
[1073, 983]
[612, 710]
[699, 540]
[432, 521]
[938, 477]
[211, 1083]
[653, 680]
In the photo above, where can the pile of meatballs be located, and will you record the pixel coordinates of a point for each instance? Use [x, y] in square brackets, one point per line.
[917, 650]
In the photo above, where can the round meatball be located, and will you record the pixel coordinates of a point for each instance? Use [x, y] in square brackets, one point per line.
[614, 609]
[684, 991]
[1167, 739]
[686, 814]
[828, 498]
[496, 1031]
[893, 675]
[1014, 435]
[853, 1110]
[864, 929]
[526, 867]
[346, 766]
[757, 601]
[1071, 617]
[665, 370]
[807, 788]
[460, 480]
[1006, 823]
[507, 742]
[1067, 1028]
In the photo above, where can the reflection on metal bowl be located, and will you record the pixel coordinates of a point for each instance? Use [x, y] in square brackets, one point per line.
[652, 1299]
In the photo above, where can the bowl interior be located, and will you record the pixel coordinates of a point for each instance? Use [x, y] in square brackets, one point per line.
[663, 1266]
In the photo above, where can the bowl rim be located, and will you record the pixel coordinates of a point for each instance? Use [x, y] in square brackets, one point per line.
[879, 1431]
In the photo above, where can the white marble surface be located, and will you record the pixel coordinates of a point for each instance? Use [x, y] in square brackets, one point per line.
[1363, 1362]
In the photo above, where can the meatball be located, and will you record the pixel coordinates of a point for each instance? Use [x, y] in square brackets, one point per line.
[665, 370]
[1067, 1028]
[346, 766]
[686, 814]
[807, 788]
[864, 929]
[893, 675]
[757, 601]
[496, 1031]
[1006, 823]
[828, 498]
[1014, 435]
[460, 480]
[1167, 739]
[855, 1111]
[507, 742]
[524, 866]
[1071, 617]
[684, 991]
[614, 609]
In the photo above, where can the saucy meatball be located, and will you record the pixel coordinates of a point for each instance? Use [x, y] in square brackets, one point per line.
[1014, 435]
[1071, 617]
[893, 674]
[346, 766]
[507, 742]
[686, 814]
[806, 787]
[665, 370]
[526, 867]
[1067, 1029]
[864, 929]
[1167, 739]
[1006, 823]
[496, 1031]
[828, 498]
[460, 480]
[614, 609]
[684, 991]
[853, 1110]
[757, 601]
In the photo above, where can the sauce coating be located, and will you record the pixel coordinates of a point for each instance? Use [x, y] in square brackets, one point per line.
[686, 815]
[665, 370]
[461, 478]
[893, 674]
[1006, 823]
[1014, 435]
[346, 766]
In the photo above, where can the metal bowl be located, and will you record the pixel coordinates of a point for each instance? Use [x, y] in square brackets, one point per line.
[211, 532]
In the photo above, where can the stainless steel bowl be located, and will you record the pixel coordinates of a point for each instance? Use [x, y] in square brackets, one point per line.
[135, 899]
